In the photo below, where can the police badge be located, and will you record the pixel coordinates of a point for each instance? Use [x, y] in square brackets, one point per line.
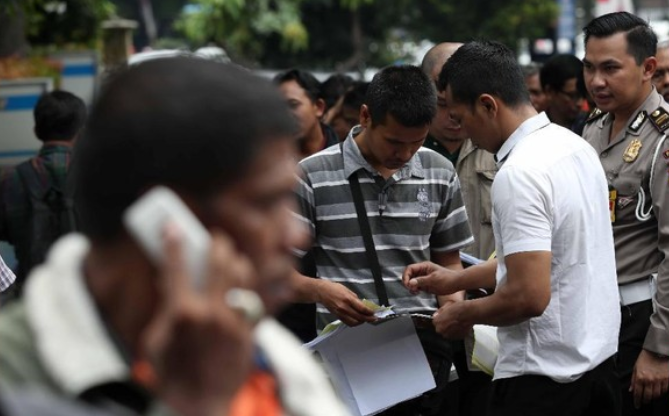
[632, 151]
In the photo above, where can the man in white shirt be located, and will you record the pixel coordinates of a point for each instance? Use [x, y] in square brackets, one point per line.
[556, 298]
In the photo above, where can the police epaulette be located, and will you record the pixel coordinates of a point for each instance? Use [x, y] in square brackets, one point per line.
[594, 115]
[660, 119]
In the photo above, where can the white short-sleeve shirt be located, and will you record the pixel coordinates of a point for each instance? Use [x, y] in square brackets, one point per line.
[551, 195]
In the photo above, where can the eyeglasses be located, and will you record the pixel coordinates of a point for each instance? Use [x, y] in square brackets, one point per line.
[574, 96]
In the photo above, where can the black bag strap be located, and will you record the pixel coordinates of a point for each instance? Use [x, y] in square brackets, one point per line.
[363, 221]
[370, 251]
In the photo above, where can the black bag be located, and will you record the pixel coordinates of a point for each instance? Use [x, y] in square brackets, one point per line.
[51, 212]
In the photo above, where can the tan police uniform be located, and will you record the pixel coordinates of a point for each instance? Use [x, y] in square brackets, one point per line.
[636, 163]
[476, 169]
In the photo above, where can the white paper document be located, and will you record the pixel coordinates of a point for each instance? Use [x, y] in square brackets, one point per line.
[375, 366]
[486, 348]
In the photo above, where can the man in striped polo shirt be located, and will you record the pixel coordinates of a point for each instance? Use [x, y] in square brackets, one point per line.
[412, 199]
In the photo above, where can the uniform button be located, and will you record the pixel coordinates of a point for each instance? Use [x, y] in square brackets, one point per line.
[603, 155]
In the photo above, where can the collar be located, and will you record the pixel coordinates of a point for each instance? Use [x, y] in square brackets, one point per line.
[467, 149]
[651, 102]
[526, 128]
[354, 160]
[70, 336]
[55, 147]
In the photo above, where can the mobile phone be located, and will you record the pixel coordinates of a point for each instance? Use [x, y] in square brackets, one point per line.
[146, 220]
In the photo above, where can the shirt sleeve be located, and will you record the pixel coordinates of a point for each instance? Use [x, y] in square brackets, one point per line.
[451, 231]
[305, 210]
[657, 338]
[523, 208]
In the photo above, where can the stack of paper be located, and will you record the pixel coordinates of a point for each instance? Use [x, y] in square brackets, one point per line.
[375, 366]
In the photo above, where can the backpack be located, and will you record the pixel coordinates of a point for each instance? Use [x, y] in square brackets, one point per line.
[51, 211]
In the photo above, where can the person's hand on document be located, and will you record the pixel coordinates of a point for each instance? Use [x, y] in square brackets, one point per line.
[432, 278]
[345, 304]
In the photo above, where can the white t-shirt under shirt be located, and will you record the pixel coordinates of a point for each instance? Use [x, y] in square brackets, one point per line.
[551, 195]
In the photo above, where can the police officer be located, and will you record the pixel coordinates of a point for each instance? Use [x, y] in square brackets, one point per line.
[628, 130]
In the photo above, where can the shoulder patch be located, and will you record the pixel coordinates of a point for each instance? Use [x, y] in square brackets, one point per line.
[666, 154]
[660, 119]
[594, 115]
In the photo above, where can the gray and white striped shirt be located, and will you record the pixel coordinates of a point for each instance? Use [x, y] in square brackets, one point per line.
[417, 211]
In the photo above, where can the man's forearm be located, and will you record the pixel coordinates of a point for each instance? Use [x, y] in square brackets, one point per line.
[479, 276]
[499, 309]
[306, 288]
[526, 294]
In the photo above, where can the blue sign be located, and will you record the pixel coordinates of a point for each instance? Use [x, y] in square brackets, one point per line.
[567, 20]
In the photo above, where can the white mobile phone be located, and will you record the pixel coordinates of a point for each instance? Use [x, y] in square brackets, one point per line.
[146, 220]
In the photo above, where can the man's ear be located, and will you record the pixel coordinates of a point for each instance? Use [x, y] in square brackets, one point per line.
[365, 117]
[649, 67]
[319, 105]
[488, 103]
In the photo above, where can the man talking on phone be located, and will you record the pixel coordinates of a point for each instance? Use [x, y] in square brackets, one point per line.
[104, 323]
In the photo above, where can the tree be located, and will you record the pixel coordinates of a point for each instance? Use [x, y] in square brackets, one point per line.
[242, 26]
[351, 34]
[50, 23]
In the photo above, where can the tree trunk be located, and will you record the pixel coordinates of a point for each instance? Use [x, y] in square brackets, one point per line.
[356, 60]
[13, 39]
[149, 21]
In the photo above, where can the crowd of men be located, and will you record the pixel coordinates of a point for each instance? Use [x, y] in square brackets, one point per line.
[320, 196]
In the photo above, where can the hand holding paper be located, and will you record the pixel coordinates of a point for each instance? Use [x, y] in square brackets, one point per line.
[449, 323]
[342, 302]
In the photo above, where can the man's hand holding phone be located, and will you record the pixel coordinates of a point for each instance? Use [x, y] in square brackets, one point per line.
[200, 349]
[199, 344]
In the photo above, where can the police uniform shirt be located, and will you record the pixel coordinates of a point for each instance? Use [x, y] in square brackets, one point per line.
[640, 227]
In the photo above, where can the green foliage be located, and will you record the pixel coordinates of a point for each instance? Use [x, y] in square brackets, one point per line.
[355, 4]
[62, 23]
[506, 21]
[242, 26]
[520, 18]
[350, 34]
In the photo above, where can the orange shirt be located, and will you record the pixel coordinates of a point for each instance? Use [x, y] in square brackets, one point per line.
[258, 396]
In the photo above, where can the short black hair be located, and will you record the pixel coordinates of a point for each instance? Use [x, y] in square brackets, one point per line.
[304, 79]
[190, 124]
[334, 87]
[355, 96]
[59, 115]
[559, 69]
[484, 67]
[641, 40]
[405, 93]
